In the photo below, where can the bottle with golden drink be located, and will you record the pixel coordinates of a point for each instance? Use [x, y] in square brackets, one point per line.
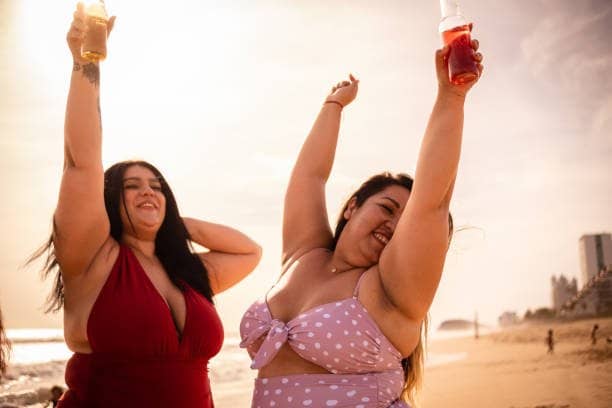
[455, 31]
[94, 45]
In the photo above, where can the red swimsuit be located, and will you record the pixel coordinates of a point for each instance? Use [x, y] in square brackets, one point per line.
[138, 359]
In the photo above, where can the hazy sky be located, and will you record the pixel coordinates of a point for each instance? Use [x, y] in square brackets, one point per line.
[220, 95]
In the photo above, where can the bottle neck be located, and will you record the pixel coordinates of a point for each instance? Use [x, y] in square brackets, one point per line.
[451, 16]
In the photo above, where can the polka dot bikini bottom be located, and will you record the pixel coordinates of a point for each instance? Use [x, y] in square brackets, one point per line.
[375, 390]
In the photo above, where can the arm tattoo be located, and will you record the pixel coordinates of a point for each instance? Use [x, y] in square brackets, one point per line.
[99, 114]
[92, 73]
[76, 66]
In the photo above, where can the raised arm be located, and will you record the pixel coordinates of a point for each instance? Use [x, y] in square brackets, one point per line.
[231, 257]
[305, 223]
[81, 225]
[411, 264]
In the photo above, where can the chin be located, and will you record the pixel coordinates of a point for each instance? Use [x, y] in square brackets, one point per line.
[371, 259]
[376, 257]
[149, 227]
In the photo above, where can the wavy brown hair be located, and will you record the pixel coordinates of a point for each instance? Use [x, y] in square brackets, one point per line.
[172, 242]
[413, 365]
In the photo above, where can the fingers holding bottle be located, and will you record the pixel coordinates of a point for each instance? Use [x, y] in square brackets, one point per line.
[478, 57]
[109, 25]
[89, 31]
[445, 69]
[77, 32]
[442, 65]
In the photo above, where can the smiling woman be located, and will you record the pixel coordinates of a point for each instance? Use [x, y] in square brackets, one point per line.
[344, 324]
[137, 298]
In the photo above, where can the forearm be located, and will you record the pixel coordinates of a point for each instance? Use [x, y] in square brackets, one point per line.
[220, 238]
[83, 127]
[317, 155]
[440, 150]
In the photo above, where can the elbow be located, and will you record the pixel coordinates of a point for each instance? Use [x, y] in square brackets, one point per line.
[257, 252]
[254, 257]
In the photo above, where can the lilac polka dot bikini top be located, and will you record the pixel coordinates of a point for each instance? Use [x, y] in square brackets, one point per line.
[339, 336]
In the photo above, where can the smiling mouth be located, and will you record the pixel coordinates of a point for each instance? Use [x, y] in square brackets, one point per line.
[147, 206]
[381, 238]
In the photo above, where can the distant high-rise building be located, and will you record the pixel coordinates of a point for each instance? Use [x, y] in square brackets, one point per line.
[562, 291]
[595, 254]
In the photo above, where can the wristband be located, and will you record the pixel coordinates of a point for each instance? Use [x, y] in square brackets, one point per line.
[336, 102]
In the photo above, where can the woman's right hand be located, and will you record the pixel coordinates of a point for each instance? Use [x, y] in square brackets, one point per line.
[344, 92]
[444, 84]
[78, 30]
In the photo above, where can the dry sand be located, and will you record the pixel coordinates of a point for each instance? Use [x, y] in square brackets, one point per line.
[513, 369]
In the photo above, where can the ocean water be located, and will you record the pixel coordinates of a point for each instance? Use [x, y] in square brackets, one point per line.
[39, 346]
[38, 358]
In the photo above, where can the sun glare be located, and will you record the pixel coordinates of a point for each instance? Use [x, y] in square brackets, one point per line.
[162, 58]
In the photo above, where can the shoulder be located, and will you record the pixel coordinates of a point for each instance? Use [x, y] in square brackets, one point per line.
[306, 255]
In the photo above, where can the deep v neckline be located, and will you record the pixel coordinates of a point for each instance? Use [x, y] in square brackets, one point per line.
[180, 334]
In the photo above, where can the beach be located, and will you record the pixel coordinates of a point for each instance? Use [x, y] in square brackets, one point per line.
[512, 368]
[509, 368]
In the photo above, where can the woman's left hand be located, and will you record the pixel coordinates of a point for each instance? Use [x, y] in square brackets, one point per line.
[344, 92]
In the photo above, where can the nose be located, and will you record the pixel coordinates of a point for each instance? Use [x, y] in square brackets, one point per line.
[147, 190]
[392, 223]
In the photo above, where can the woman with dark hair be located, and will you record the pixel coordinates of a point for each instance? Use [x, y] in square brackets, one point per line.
[343, 325]
[137, 299]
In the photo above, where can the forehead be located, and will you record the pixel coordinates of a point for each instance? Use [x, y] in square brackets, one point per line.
[137, 171]
[397, 193]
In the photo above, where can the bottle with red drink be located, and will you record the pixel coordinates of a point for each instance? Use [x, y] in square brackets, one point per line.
[455, 31]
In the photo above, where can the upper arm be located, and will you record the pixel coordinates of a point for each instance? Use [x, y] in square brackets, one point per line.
[411, 264]
[305, 222]
[81, 224]
[225, 269]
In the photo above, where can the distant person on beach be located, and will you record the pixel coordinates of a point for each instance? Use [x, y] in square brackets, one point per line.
[594, 334]
[4, 348]
[550, 341]
[56, 394]
[137, 300]
[344, 324]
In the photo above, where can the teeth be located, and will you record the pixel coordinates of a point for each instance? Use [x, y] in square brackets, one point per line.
[381, 238]
[149, 205]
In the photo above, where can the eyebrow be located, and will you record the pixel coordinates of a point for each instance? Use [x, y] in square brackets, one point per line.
[393, 201]
[155, 179]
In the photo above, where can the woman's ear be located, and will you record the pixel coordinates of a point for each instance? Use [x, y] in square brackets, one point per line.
[350, 208]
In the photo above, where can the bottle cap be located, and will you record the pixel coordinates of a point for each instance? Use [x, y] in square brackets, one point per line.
[96, 9]
[449, 8]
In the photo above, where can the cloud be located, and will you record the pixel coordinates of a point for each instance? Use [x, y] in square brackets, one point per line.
[602, 121]
[570, 48]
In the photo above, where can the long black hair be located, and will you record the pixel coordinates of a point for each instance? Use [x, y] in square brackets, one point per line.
[414, 363]
[172, 243]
